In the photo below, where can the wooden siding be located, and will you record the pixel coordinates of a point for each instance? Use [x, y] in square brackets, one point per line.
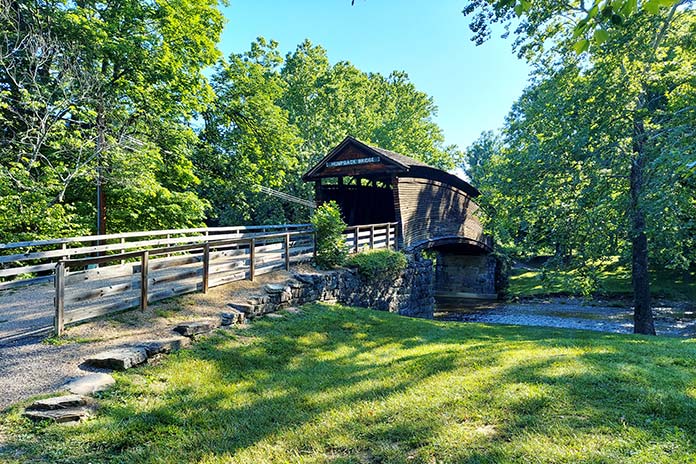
[429, 209]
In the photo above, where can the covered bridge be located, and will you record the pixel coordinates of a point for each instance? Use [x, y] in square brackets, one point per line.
[434, 210]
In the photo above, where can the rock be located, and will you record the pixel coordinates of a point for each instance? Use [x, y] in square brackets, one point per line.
[232, 317]
[274, 316]
[58, 402]
[243, 307]
[274, 288]
[295, 284]
[60, 416]
[166, 345]
[90, 384]
[189, 329]
[119, 359]
[305, 278]
[293, 310]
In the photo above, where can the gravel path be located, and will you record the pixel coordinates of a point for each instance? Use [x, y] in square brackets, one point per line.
[31, 366]
[671, 318]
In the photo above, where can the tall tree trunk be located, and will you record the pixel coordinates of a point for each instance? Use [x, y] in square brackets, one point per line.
[642, 316]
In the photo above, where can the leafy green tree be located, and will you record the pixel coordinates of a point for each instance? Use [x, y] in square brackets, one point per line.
[86, 85]
[592, 139]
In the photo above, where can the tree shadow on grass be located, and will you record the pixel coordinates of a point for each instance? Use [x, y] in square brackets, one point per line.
[344, 385]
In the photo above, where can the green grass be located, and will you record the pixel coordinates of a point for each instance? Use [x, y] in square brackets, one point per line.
[342, 385]
[613, 280]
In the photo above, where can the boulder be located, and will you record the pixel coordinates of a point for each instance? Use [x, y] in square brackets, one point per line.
[119, 359]
[243, 307]
[274, 288]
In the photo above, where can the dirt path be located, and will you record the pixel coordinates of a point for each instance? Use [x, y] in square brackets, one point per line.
[676, 319]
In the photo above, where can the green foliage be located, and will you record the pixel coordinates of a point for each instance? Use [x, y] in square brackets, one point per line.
[328, 225]
[101, 85]
[378, 264]
[337, 384]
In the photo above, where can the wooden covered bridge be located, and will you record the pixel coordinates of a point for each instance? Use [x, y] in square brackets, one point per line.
[432, 209]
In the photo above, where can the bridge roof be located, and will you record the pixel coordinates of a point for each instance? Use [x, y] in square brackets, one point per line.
[345, 160]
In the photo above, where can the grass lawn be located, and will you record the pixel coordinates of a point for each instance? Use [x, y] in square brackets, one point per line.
[613, 280]
[344, 385]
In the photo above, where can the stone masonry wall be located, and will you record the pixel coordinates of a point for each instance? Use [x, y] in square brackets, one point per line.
[411, 294]
[466, 273]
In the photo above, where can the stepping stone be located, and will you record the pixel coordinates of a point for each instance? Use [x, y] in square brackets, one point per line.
[274, 316]
[166, 345]
[293, 310]
[243, 307]
[231, 317]
[119, 359]
[60, 409]
[189, 329]
[60, 416]
[274, 288]
[90, 384]
[58, 402]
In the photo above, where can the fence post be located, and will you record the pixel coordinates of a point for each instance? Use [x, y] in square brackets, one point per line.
[206, 266]
[252, 258]
[143, 279]
[372, 237]
[356, 237]
[388, 236]
[287, 251]
[59, 282]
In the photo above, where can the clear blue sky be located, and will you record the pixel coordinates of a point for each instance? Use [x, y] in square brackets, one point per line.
[473, 87]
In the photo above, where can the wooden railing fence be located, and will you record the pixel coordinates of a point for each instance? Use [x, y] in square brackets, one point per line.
[90, 287]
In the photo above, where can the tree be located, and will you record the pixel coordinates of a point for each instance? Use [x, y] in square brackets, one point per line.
[86, 85]
[609, 116]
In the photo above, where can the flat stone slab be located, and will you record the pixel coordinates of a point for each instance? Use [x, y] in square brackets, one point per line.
[243, 307]
[90, 384]
[59, 415]
[119, 359]
[293, 310]
[274, 316]
[189, 329]
[58, 402]
[166, 345]
[274, 288]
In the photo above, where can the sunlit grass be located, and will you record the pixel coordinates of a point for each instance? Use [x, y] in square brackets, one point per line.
[612, 280]
[342, 385]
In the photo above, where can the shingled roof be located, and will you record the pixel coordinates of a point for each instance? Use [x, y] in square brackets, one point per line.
[411, 167]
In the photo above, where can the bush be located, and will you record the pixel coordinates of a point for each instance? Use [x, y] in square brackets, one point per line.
[378, 264]
[328, 225]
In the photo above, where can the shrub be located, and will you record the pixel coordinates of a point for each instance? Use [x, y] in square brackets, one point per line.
[328, 225]
[378, 264]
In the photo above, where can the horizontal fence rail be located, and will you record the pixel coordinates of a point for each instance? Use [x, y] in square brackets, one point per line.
[94, 277]
[26, 263]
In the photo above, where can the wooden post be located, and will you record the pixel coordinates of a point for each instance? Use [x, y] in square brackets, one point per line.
[396, 237]
[143, 279]
[59, 282]
[123, 240]
[356, 237]
[168, 244]
[388, 236]
[372, 237]
[206, 266]
[287, 251]
[252, 258]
